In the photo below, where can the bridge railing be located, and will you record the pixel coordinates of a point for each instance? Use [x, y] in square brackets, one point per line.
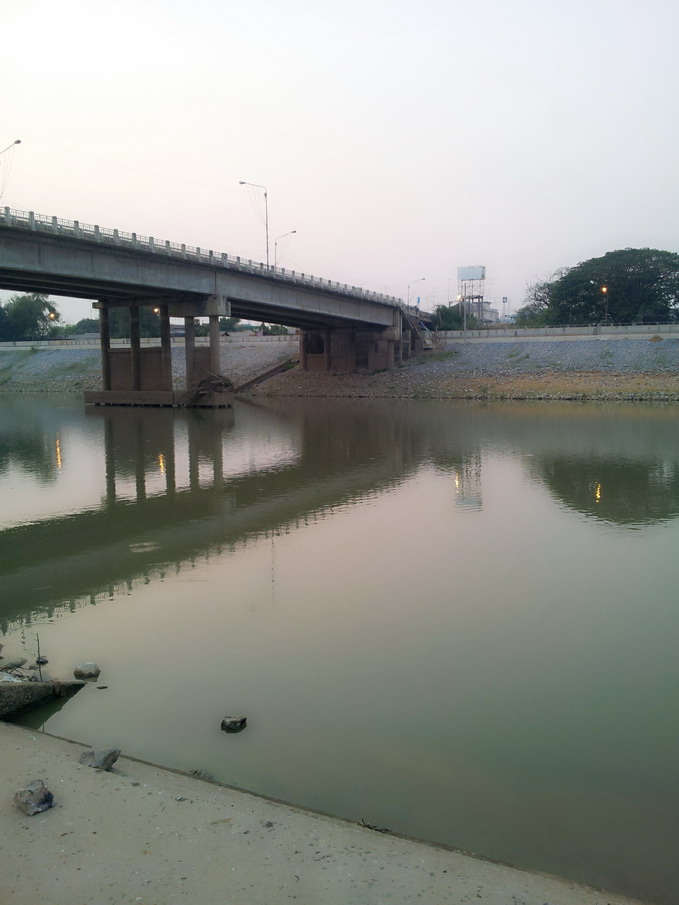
[107, 236]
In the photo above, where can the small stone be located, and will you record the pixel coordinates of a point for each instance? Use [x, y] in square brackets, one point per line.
[34, 798]
[12, 662]
[100, 758]
[41, 660]
[86, 671]
[234, 723]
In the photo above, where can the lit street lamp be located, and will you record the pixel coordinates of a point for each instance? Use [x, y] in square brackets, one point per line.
[275, 245]
[604, 289]
[418, 280]
[256, 185]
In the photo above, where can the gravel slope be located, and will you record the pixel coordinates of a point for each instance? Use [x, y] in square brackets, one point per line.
[577, 369]
[72, 370]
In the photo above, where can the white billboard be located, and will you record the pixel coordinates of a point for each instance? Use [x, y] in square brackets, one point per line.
[471, 273]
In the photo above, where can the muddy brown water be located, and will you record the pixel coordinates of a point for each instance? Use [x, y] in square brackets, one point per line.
[455, 620]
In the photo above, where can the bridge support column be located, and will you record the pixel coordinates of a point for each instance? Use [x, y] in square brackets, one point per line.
[302, 351]
[165, 347]
[326, 351]
[190, 350]
[135, 347]
[215, 363]
[105, 341]
[351, 350]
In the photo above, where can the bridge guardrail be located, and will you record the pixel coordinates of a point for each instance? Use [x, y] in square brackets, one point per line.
[119, 238]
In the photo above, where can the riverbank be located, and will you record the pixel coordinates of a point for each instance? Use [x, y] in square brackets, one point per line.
[600, 369]
[144, 834]
[606, 370]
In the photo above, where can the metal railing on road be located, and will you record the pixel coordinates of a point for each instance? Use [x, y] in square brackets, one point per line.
[118, 238]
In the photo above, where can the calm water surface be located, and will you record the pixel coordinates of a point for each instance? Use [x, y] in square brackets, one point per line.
[458, 621]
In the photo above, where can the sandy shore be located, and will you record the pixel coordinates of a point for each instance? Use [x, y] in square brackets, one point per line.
[144, 834]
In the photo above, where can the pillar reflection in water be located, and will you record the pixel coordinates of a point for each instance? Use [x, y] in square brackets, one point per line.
[140, 444]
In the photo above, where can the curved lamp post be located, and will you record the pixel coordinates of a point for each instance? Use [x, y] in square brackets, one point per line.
[17, 142]
[418, 280]
[256, 185]
[275, 245]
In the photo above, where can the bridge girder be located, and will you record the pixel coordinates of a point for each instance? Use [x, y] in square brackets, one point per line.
[66, 266]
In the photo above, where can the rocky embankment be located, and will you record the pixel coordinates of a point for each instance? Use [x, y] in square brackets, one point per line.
[637, 369]
[643, 369]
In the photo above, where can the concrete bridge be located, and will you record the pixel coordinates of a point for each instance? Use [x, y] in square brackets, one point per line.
[341, 327]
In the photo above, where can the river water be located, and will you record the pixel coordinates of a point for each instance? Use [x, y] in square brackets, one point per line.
[458, 621]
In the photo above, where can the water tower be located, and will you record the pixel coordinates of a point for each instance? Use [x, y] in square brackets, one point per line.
[471, 290]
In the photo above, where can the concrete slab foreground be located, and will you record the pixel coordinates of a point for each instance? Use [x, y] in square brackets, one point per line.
[143, 834]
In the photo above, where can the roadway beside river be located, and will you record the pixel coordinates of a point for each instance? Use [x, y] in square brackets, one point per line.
[600, 369]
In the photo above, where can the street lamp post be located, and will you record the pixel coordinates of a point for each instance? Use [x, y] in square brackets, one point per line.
[275, 245]
[418, 280]
[17, 142]
[604, 289]
[256, 185]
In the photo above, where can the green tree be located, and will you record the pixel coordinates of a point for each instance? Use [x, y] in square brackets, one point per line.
[28, 317]
[119, 322]
[86, 325]
[451, 317]
[632, 285]
[227, 324]
[536, 312]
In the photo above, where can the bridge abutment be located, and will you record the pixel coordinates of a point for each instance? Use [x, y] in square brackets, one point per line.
[354, 349]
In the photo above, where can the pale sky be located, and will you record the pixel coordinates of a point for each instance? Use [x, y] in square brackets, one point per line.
[401, 140]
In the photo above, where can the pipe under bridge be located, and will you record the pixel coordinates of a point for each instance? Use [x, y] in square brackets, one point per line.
[341, 327]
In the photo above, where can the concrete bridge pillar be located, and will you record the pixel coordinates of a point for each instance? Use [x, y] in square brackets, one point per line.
[105, 341]
[143, 375]
[215, 364]
[165, 346]
[302, 351]
[190, 350]
[135, 347]
[326, 351]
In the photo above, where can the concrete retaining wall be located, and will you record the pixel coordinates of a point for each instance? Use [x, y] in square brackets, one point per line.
[17, 697]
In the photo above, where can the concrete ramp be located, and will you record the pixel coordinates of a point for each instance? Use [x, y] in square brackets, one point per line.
[267, 375]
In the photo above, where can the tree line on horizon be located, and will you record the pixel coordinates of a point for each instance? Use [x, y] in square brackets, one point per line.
[628, 286]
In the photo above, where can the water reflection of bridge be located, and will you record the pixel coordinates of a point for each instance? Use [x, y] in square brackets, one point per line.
[138, 530]
[178, 486]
